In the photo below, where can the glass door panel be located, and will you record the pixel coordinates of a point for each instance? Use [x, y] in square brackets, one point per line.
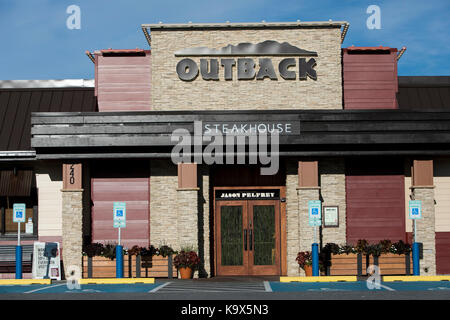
[231, 218]
[264, 234]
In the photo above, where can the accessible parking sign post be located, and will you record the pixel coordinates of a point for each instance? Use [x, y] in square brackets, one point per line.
[119, 221]
[18, 217]
[415, 213]
[315, 220]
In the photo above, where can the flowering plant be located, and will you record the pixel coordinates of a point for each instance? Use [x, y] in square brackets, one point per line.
[186, 259]
[304, 258]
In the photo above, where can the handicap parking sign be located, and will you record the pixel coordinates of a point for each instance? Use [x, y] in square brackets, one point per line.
[415, 209]
[19, 212]
[315, 209]
[119, 211]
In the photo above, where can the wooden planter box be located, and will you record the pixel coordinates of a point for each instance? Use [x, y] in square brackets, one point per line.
[393, 264]
[156, 267]
[347, 265]
[103, 267]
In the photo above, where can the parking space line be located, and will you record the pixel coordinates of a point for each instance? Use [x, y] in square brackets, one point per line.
[39, 289]
[267, 286]
[159, 287]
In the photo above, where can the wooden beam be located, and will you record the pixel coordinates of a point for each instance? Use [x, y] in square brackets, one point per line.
[72, 176]
[422, 173]
[308, 174]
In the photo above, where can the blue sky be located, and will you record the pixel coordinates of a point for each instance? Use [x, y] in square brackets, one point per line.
[36, 44]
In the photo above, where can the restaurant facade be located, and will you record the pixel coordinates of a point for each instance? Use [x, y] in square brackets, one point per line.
[219, 135]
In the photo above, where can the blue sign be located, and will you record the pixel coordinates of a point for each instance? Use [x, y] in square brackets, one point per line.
[315, 212]
[120, 214]
[415, 209]
[19, 212]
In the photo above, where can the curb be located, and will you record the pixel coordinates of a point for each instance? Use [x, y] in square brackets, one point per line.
[116, 281]
[415, 278]
[320, 279]
[6, 282]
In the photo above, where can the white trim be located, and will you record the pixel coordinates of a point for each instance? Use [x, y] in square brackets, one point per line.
[62, 83]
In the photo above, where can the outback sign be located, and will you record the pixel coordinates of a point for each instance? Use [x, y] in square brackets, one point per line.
[247, 69]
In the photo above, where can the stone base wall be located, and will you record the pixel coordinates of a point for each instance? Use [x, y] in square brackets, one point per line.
[292, 226]
[332, 191]
[72, 226]
[426, 229]
[163, 203]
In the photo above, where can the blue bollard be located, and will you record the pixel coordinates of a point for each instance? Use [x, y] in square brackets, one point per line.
[416, 256]
[315, 259]
[119, 262]
[18, 262]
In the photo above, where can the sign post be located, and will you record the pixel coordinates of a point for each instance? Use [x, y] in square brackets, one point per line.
[119, 221]
[315, 219]
[415, 213]
[19, 216]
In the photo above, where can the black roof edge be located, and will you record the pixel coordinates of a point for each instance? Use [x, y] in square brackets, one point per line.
[424, 81]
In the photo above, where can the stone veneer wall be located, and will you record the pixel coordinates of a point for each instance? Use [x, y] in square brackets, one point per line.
[204, 220]
[292, 226]
[180, 217]
[163, 203]
[72, 224]
[332, 191]
[171, 93]
[426, 229]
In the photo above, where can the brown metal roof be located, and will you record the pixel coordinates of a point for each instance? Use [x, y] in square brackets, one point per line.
[16, 106]
[15, 183]
[424, 93]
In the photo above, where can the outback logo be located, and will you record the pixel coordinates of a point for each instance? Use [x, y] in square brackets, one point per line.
[188, 70]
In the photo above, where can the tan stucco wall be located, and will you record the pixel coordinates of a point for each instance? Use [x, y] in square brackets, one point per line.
[171, 93]
[49, 184]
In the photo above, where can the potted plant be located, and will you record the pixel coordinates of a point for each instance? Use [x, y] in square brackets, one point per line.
[304, 259]
[186, 262]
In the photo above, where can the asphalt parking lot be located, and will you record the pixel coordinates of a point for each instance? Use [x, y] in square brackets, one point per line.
[192, 289]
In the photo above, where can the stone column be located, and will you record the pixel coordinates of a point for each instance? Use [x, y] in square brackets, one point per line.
[187, 206]
[292, 236]
[72, 224]
[301, 187]
[425, 228]
[187, 216]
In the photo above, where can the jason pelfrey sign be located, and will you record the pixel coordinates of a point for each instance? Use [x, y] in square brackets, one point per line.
[289, 68]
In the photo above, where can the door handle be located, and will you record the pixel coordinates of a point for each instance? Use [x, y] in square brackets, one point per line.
[245, 239]
[250, 240]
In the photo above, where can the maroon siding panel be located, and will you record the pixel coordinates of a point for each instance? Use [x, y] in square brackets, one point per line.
[370, 80]
[135, 192]
[443, 252]
[123, 82]
[375, 208]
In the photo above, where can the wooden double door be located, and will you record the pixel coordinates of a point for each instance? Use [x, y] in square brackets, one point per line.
[248, 237]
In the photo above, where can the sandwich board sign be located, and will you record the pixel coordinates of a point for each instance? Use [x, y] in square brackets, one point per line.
[120, 214]
[40, 263]
[315, 212]
[19, 212]
[415, 209]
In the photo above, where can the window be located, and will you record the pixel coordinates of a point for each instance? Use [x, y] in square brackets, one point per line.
[18, 186]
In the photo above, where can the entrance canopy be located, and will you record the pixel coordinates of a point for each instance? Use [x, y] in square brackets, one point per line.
[73, 135]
